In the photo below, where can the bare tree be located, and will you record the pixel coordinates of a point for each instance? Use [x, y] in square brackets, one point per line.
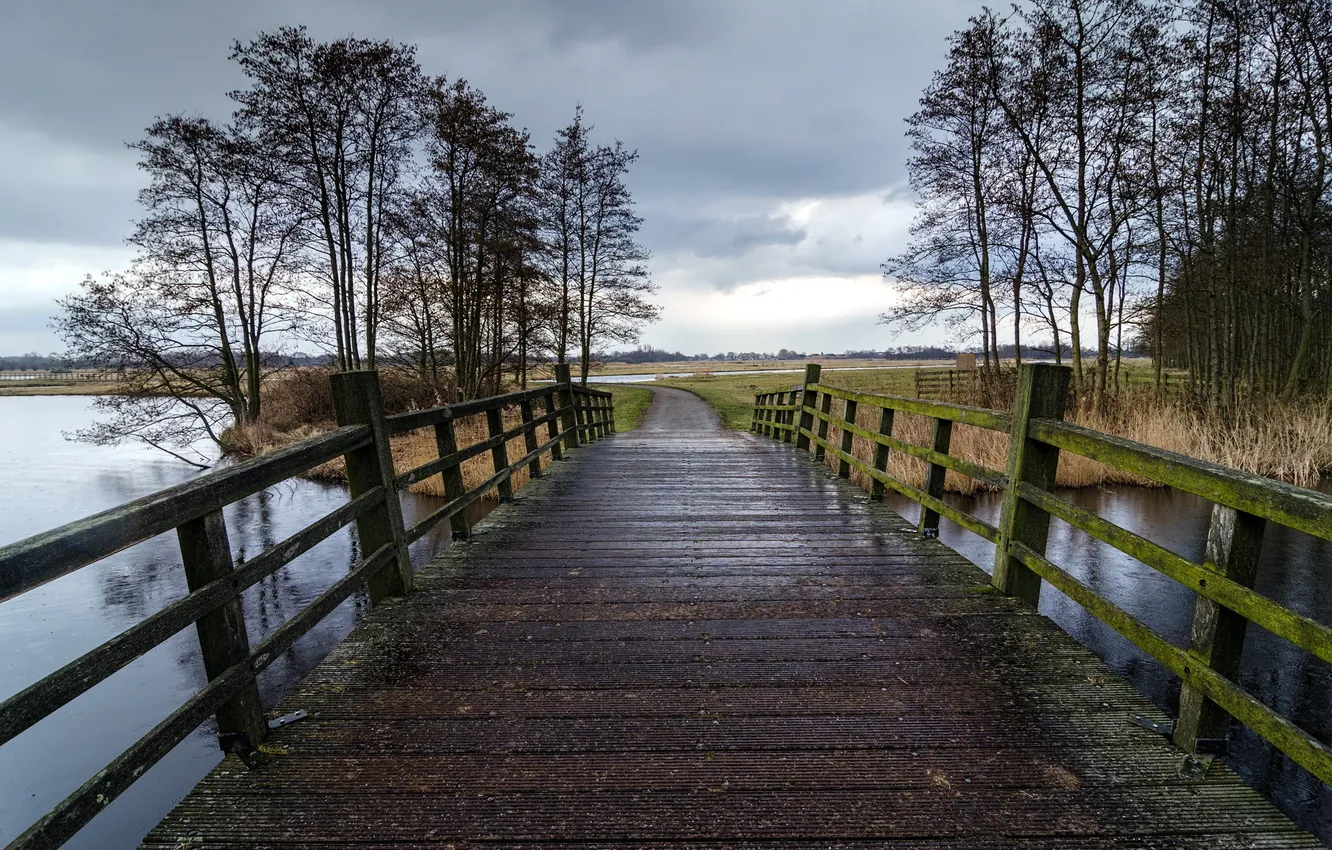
[190, 321]
[344, 116]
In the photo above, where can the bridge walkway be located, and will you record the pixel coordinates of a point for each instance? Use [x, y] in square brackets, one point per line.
[689, 637]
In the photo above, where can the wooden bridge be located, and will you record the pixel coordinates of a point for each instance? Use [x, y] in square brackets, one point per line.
[692, 637]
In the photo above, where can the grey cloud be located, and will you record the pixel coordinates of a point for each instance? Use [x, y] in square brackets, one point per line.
[734, 106]
[722, 237]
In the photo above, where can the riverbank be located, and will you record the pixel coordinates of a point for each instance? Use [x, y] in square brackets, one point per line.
[416, 448]
[1290, 442]
[25, 388]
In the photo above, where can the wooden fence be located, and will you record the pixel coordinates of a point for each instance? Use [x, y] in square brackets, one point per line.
[570, 415]
[62, 375]
[1223, 582]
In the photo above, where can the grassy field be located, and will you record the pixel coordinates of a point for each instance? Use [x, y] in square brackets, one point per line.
[732, 396]
[17, 388]
[631, 404]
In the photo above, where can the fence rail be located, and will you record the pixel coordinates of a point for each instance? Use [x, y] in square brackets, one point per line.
[73, 375]
[1222, 583]
[572, 416]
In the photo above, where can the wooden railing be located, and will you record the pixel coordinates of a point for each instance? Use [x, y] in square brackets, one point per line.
[571, 415]
[1223, 582]
[67, 375]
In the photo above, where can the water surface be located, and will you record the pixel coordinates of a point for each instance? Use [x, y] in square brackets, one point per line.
[50, 481]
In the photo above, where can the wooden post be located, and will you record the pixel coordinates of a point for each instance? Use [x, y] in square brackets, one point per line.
[530, 438]
[1234, 540]
[916, 381]
[1042, 394]
[825, 407]
[935, 476]
[783, 434]
[356, 401]
[753, 414]
[446, 442]
[553, 426]
[223, 640]
[849, 411]
[765, 416]
[881, 453]
[589, 417]
[610, 413]
[499, 456]
[805, 421]
[570, 415]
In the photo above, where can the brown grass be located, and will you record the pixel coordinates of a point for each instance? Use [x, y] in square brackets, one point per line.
[298, 404]
[1290, 442]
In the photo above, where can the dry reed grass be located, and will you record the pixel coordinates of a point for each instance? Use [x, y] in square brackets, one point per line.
[298, 404]
[1290, 442]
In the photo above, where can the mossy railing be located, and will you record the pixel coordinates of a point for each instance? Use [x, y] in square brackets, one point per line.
[1223, 583]
[572, 415]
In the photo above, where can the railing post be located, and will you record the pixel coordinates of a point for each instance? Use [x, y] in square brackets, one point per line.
[754, 414]
[530, 438]
[446, 442]
[570, 415]
[589, 414]
[1234, 540]
[881, 453]
[849, 411]
[553, 426]
[935, 477]
[1042, 394]
[825, 407]
[499, 455]
[223, 640]
[356, 401]
[805, 421]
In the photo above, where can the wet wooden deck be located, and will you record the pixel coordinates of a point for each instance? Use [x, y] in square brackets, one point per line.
[690, 637]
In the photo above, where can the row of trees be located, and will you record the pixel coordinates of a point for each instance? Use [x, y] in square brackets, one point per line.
[356, 204]
[1156, 170]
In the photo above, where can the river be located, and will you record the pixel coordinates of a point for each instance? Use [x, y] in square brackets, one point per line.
[46, 628]
[49, 481]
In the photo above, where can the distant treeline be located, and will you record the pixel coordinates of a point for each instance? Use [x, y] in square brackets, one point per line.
[648, 354]
[33, 361]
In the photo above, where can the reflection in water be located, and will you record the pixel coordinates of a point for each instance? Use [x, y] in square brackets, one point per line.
[1293, 569]
[54, 624]
[44, 629]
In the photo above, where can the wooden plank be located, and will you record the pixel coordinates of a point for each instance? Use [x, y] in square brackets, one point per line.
[935, 475]
[530, 438]
[1216, 637]
[1042, 394]
[357, 401]
[1304, 510]
[643, 652]
[223, 641]
[43, 557]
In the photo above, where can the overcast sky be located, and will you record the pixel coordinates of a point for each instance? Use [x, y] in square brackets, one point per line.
[771, 177]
